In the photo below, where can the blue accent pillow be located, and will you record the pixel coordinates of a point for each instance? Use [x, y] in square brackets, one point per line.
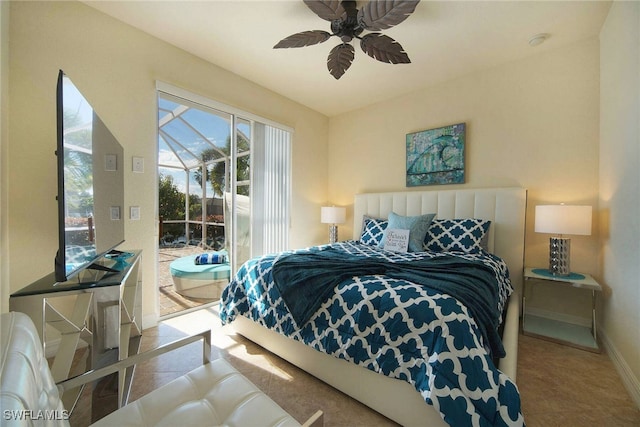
[417, 226]
[466, 235]
[372, 230]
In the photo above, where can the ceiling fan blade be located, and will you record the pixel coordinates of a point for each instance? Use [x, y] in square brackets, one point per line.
[305, 38]
[384, 49]
[328, 10]
[380, 15]
[340, 59]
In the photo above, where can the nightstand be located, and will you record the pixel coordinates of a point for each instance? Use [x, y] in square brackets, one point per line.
[554, 330]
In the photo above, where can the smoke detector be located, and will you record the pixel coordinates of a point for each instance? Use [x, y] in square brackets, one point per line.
[538, 39]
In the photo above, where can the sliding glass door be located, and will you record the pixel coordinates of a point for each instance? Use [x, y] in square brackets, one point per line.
[224, 179]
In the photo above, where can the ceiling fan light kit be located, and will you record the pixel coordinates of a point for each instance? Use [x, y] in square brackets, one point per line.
[347, 23]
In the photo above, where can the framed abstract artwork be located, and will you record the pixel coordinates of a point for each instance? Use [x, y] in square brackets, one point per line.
[436, 156]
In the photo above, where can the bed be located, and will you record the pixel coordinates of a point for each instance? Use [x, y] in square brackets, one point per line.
[458, 381]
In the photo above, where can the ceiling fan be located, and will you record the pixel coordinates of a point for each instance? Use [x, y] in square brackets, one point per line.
[347, 23]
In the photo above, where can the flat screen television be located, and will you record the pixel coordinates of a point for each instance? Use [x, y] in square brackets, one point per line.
[90, 185]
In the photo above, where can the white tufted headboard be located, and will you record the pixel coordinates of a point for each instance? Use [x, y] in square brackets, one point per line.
[505, 207]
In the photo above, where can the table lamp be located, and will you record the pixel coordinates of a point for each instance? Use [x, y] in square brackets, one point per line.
[333, 215]
[562, 219]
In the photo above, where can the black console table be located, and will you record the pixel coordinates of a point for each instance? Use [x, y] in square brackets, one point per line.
[101, 309]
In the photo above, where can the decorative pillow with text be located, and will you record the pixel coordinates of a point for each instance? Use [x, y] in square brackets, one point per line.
[417, 226]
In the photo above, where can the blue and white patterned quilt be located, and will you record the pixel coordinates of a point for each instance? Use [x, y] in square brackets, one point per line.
[394, 327]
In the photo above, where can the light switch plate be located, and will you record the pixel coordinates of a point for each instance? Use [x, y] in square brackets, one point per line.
[115, 213]
[138, 164]
[110, 162]
[134, 213]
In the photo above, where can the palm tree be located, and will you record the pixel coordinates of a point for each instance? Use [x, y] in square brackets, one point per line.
[217, 175]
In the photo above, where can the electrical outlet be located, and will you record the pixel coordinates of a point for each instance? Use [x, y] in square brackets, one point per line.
[134, 213]
[138, 164]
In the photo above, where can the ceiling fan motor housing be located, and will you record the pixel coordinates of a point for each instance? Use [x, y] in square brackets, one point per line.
[347, 29]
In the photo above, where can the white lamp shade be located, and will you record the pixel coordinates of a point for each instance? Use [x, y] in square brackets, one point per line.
[563, 219]
[333, 215]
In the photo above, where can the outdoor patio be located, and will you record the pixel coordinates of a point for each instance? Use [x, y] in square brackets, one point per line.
[172, 302]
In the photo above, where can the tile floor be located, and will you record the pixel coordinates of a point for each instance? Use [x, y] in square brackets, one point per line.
[559, 385]
[565, 386]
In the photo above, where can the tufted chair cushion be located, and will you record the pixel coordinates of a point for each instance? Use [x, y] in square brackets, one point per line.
[214, 394]
[28, 394]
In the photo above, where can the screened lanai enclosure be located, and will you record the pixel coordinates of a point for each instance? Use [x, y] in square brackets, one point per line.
[194, 160]
[224, 185]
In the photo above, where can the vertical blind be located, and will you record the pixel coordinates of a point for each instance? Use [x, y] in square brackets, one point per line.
[278, 183]
[271, 189]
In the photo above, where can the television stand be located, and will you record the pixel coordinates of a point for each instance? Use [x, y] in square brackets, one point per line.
[101, 267]
[101, 310]
[115, 253]
[92, 274]
[111, 263]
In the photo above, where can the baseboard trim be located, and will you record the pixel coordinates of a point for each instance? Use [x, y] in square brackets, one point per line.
[150, 320]
[561, 317]
[53, 345]
[629, 380]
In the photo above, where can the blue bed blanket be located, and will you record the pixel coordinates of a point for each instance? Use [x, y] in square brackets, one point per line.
[305, 281]
[389, 322]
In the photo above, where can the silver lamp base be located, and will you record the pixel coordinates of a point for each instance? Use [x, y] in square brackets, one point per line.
[333, 233]
[559, 252]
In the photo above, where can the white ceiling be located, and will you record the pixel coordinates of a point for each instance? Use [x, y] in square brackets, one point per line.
[444, 40]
